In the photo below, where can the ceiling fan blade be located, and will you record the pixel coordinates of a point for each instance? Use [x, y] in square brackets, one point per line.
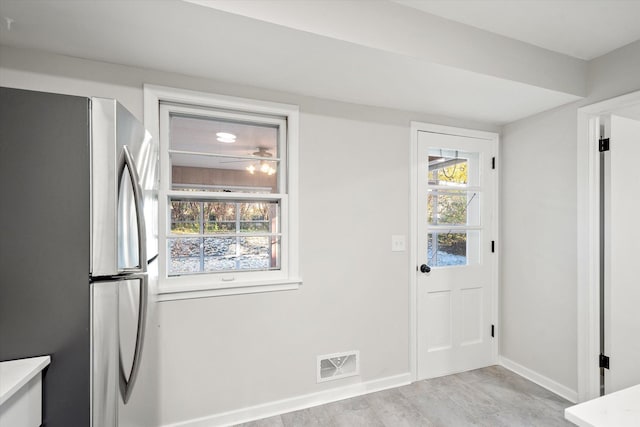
[234, 161]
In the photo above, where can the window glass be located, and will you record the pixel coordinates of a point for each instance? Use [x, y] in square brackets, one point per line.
[231, 236]
[453, 167]
[211, 135]
[453, 200]
[210, 154]
[453, 248]
[453, 207]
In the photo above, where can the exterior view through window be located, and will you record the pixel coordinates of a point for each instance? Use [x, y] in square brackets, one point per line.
[227, 190]
[453, 200]
[223, 236]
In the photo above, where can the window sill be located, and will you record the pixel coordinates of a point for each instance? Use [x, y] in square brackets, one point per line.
[173, 293]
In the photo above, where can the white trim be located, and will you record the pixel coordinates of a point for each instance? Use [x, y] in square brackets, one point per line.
[194, 292]
[287, 277]
[449, 130]
[180, 96]
[413, 256]
[269, 197]
[413, 232]
[546, 382]
[588, 242]
[295, 403]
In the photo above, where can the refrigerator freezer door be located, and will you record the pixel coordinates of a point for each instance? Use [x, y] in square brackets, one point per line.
[118, 321]
[142, 408]
[104, 354]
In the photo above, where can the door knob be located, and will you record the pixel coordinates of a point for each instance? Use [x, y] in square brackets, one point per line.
[424, 268]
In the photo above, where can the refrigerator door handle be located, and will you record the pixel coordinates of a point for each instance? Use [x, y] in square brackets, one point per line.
[126, 160]
[127, 382]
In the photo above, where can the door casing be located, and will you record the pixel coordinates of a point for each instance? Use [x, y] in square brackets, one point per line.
[413, 225]
[588, 243]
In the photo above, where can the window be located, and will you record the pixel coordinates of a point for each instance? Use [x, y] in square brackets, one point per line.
[453, 208]
[228, 208]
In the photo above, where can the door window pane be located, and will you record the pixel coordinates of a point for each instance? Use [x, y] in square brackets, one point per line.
[453, 207]
[453, 167]
[453, 248]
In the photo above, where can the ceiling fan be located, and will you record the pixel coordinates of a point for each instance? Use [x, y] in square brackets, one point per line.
[262, 153]
[263, 166]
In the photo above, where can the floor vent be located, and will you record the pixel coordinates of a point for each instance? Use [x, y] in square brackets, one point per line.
[338, 365]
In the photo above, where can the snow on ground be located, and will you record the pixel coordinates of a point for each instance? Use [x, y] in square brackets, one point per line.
[445, 259]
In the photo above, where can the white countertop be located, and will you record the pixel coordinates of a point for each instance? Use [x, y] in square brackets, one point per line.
[16, 373]
[619, 409]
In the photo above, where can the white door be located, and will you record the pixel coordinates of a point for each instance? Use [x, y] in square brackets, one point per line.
[622, 249]
[456, 185]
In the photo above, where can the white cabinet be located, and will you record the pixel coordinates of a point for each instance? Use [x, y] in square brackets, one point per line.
[21, 392]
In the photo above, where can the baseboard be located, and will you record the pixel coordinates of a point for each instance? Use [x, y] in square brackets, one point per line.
[541, 380]
[295, 403]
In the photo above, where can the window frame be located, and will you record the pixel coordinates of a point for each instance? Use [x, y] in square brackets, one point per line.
[160, 102]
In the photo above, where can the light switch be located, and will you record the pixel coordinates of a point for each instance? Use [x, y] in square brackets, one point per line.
[398, 243]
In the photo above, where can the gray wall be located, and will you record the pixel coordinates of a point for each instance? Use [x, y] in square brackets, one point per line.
[44, 249]
[225, 353]
[539, 213]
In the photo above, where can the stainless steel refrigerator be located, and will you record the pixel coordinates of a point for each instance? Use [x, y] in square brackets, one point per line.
[79, 180]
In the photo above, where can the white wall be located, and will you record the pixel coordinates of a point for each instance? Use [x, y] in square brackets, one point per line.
[539, 213]
[538, 257]
[249, 349]
[225, 353]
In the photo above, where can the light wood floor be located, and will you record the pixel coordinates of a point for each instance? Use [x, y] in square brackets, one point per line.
[491, 397]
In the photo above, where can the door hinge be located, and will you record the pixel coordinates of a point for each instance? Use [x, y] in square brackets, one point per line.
[604, 361]
[493, 331]
[493, 163]
[493, 246]
[603, 145]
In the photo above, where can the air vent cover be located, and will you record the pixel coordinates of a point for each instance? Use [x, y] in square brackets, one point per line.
[338, 365]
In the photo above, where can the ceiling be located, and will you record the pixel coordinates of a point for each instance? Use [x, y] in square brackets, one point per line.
[396, 57]
[583, 29]
[631, 112]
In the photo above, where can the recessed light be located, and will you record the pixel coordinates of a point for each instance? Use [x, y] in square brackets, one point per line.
[226, 137]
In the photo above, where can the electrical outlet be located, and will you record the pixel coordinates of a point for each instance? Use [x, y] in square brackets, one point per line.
[398, 243]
